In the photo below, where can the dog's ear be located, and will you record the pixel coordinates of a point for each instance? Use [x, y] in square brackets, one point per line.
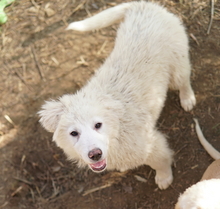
[50, 114]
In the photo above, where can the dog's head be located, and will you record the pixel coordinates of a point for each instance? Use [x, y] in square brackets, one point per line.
[83, 126]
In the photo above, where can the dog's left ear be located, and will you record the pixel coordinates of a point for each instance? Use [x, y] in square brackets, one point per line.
[50, 114]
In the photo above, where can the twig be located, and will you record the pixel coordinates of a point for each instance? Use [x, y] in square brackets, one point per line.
[194, 38]
[78, 7]
[195, 166]
[23, 180]
[16, 191]
[149, 174]
[38, 190]
[215, 126]
[88, 12]
[35, 4]
[18, 75]
[174, 188]
[32, 194]
[180, 149]
[55, 192]
[96, 189]
[82, 61]
[9, 120]
[211, 18]
[37, 63]
[102, 47]
[141, 179]
[2, 206]
[110, 179]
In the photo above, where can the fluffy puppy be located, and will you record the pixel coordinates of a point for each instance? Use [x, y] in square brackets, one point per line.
[111, 122]
[204, 194]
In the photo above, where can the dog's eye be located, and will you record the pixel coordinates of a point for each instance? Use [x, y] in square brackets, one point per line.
[74, 133]
[98, 125]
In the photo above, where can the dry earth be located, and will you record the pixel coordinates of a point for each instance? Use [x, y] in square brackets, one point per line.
[40, 60]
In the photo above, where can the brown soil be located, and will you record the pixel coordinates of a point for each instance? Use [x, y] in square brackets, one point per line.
[40, 60]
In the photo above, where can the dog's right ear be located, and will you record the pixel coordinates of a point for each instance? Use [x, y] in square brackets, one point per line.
[50, 114]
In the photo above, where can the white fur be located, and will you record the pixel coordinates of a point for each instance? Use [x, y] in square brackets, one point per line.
[107, 17]
[127, 93]
[208, 147]
[204, 194]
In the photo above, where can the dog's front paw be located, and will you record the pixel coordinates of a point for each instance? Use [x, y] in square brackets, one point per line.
[164, 179]
[188, 102]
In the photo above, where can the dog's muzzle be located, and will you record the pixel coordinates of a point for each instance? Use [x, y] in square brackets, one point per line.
[96, 155]
[99, 166]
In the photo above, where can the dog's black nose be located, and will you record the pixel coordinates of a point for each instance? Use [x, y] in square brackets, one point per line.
[95, 154]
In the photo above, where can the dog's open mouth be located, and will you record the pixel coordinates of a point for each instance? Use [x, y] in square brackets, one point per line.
[99, 166]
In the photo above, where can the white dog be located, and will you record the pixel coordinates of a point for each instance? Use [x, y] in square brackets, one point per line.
[110, 122]
[204, 194]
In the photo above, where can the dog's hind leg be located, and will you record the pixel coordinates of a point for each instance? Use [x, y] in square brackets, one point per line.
[160, 159]
[180, 80]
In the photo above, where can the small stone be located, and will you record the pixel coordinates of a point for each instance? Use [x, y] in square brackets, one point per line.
[49, 12]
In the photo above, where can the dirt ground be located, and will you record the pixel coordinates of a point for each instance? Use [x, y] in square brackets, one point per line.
[40, 60]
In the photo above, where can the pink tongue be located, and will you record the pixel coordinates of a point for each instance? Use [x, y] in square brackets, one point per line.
[98, 165]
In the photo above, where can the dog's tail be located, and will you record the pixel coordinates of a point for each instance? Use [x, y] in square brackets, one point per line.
[102, 19]
[208, 147]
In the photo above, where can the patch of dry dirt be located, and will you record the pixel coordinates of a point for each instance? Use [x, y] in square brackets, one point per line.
[40, 60]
